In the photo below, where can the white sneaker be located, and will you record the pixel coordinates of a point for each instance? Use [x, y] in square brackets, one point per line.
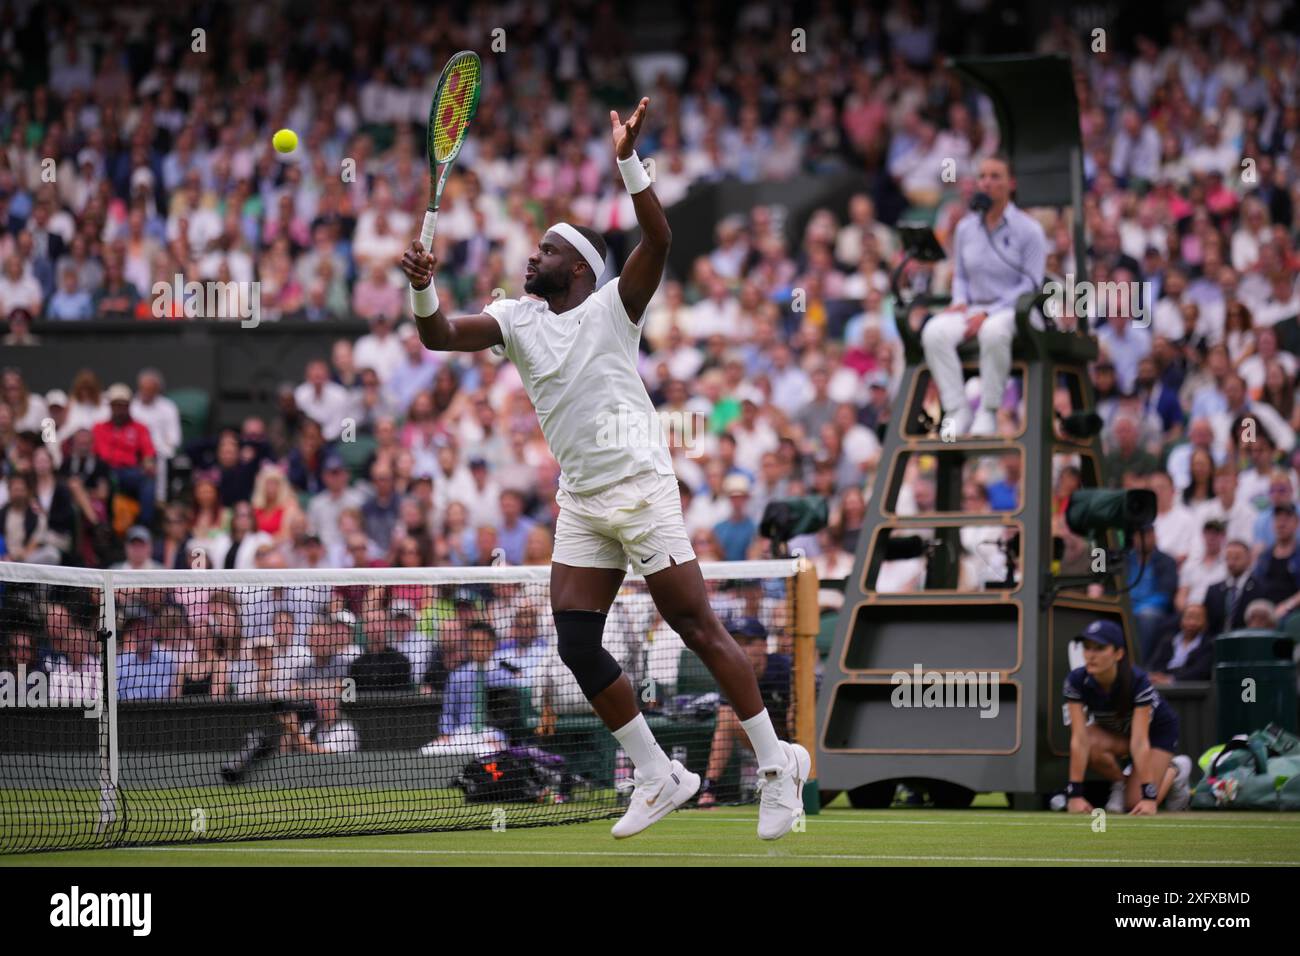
[986, 423]
[655, 798]
[1116, 802]
[1179, 796]
[780, 800]
[957, 424]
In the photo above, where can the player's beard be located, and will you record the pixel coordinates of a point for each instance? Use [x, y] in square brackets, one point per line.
[546, 284]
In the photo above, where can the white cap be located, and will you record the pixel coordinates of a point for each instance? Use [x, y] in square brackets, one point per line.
[735, 485]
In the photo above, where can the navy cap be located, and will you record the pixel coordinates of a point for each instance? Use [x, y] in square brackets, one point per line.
[746, 627]
[1103, 632]
[333, 462]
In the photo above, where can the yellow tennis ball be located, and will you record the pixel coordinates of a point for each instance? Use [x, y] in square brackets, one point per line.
[285, 140]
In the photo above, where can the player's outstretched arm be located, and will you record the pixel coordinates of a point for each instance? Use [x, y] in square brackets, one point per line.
[645, 266]
[470, 333]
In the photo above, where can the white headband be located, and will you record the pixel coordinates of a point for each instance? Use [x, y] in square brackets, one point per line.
[583, 245]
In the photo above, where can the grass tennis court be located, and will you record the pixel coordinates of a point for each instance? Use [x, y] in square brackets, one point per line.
[725, 836]
[237, 813]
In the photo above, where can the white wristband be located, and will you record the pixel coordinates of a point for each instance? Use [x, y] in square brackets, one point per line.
[424, 302]
[634, 175]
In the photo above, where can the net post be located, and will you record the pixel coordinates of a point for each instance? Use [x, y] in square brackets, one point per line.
[108, 766]
[806, 627]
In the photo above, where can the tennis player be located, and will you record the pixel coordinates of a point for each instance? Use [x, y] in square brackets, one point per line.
[575, 346]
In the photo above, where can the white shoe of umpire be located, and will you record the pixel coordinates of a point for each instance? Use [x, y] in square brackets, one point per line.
[780, 800]
[1179, 796]
[957, 424]
[1116, 802]
[985, 423]
[654, 799]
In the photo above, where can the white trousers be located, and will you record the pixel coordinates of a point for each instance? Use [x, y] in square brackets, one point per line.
[940, 338]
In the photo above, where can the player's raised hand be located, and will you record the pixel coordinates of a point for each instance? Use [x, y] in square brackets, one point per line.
[418, 265]
[625, 134]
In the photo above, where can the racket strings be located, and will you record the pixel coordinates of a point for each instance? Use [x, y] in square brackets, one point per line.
[454, 107]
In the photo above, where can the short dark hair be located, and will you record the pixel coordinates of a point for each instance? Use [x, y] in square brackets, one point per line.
[595, 238]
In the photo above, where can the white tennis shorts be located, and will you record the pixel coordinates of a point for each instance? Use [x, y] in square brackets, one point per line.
[637, 521]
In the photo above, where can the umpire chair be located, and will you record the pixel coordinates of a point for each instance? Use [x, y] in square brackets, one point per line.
[1016, 621]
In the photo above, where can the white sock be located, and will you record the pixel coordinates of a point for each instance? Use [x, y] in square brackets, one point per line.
[762, 735]
[639, 741]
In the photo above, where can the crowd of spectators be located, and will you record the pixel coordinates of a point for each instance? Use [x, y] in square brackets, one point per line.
[163, 167]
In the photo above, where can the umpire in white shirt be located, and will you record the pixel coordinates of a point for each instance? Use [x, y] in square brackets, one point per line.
[998, 256]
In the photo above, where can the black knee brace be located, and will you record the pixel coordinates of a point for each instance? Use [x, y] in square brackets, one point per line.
[582, 653]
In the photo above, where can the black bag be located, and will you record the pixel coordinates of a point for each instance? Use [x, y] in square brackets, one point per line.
[517, 775]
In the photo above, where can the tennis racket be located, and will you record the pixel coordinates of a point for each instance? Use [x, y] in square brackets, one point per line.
[454, 104]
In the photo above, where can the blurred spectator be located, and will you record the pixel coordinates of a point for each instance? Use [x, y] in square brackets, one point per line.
[1176, 524]
[1127, 456]
[70, 302]
[19, 289]
[326, 731]
[88, 406]
[329, 643]
[29, 411]
[325, 402]
[514, 528]
[274, 504]
[172, 550]
[381, 666]
[124, 445]
[380, 512]
[215, 665]
[139, 551]
[326, 507]
[1226, 602]
[736, 532]
[144, 671]
[54, 500]
[25, 527]
[1278, 568]
[157, 412]
[1261, 614]
[1203, 569]
[1186, 655]
[20, 324]
[244, 540]
[1151, 595]
[463, 725]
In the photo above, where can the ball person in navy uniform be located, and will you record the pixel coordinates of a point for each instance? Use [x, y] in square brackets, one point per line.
[1115, 713]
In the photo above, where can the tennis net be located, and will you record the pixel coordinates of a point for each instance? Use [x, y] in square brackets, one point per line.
[151, 707]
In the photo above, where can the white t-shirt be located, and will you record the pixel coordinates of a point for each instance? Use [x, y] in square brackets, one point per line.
[580, 372]
[1177, 530]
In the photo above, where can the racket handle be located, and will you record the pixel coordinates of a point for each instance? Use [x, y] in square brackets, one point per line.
[426, 231]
